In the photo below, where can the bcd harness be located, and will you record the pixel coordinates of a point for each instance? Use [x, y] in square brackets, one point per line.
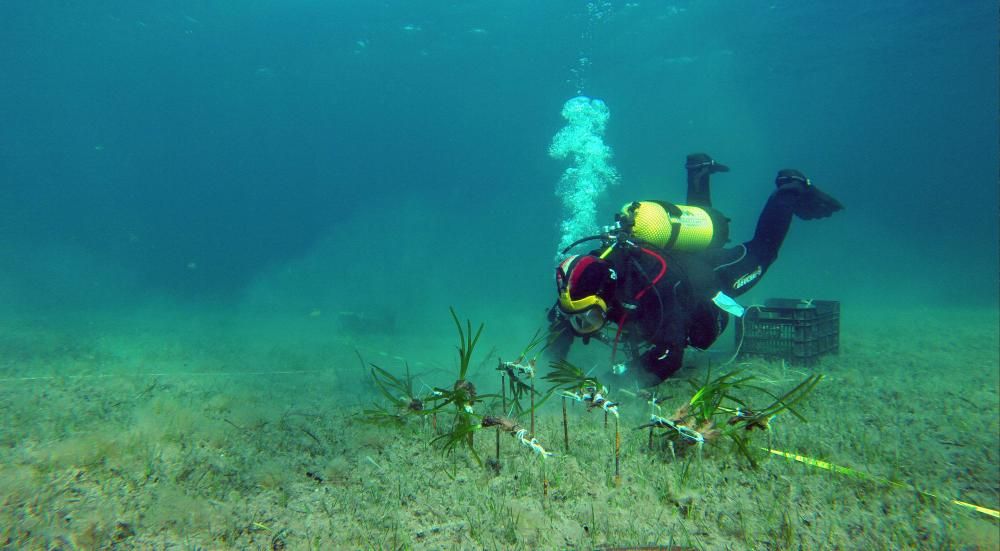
[642, 227]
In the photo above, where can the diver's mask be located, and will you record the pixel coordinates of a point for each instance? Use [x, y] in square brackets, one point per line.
[580, 281]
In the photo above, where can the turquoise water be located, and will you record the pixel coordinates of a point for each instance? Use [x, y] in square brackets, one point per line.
[341, 155]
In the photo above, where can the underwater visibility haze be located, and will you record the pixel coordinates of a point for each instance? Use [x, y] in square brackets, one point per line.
[231, 234]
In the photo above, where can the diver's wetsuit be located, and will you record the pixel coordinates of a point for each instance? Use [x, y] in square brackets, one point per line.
[658, 323]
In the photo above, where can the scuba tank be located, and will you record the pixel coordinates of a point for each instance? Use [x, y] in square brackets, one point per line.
[664, 226]
[650, 228]
[668, 226]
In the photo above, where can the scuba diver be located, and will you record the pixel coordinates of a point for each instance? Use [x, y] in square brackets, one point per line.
[663, 276]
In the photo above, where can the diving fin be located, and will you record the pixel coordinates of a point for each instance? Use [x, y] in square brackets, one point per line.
[699, 168]
[811, 203]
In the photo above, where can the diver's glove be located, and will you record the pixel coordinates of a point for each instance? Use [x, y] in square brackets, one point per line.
[811, 202]
[701, 161]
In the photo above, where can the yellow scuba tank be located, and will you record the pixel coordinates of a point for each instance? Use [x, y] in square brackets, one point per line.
[675, 227]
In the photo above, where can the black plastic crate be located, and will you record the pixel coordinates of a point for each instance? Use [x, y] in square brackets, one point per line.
[797, 331]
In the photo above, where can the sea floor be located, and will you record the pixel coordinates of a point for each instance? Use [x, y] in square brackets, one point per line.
[223, 434]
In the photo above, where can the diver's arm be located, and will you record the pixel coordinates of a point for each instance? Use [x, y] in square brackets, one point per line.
[653, 366]
[659, 363]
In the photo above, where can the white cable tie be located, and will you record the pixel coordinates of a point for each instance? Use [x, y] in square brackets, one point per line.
[690, 434]
[530, 371]
[573, 395]
[686, 432]
[659, 420]
[533, 443]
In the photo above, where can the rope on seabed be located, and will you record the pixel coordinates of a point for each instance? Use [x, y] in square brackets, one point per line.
[864, 476]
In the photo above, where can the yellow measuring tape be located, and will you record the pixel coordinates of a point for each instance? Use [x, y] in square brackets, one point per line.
[858, 474]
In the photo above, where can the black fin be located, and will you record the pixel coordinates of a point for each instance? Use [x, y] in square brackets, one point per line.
[813, 203]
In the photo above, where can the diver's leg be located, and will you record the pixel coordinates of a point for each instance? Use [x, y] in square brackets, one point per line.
[742, 267]
[739, 268]
[700, 168]
[772, 226]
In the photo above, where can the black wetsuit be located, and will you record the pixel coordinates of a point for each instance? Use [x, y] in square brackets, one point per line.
[659, 321]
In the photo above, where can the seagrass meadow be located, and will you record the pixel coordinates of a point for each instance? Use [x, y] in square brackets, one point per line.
[203, 435]
[231, 233]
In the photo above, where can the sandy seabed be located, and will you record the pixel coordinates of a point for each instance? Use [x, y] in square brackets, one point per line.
[149, 436]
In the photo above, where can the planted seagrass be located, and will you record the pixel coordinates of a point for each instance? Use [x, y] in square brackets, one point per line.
[461, 397]
[699, 421]
[403, 401]
[515, 373]
[517, 431]
[462, 394]
[580, 387]
[518, 376]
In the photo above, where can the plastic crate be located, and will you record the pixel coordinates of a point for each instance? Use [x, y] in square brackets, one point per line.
[797, 331]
